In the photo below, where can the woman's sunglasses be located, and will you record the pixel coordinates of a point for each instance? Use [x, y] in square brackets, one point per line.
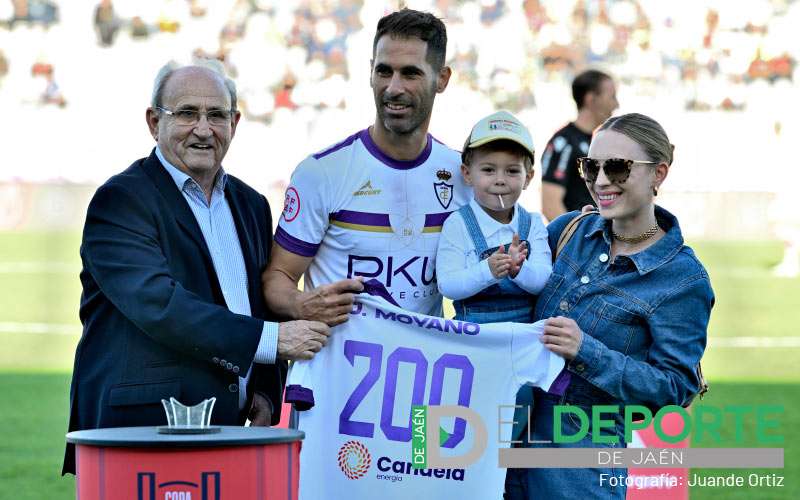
[617, 170]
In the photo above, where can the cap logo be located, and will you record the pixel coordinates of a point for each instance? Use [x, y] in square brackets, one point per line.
[512, 127]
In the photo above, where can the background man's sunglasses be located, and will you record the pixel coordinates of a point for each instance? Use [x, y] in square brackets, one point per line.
[617, 170]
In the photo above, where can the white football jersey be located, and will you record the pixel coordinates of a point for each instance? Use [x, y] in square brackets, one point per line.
[360, 213]
[362, 385]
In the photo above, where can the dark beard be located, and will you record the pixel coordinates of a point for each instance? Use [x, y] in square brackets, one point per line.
[404, 127]
[419, 114]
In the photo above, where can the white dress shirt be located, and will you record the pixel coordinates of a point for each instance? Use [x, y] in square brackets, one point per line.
[219, 232]
[460, 273]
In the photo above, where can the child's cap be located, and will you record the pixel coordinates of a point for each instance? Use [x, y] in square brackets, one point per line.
[500, 125]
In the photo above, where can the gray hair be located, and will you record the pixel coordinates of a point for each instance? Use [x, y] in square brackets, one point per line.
[211, 64]
[645, 132]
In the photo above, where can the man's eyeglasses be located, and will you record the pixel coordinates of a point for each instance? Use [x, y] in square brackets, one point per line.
[187, 116]
[617, 170]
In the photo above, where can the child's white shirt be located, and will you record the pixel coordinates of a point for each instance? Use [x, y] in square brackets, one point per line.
[461, 274]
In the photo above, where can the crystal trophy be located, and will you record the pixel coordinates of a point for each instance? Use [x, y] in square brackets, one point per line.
[182, 419]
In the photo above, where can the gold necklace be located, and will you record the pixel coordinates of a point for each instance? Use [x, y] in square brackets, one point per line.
[637, 239]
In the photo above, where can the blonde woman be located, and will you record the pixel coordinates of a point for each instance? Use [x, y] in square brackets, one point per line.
[627, 306]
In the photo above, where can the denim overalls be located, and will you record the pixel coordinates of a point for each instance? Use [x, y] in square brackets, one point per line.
[501, 302]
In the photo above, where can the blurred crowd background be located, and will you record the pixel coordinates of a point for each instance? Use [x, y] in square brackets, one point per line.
[721, 76]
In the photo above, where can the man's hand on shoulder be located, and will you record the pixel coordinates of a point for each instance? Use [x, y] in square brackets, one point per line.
[330, 303]
[301, 339]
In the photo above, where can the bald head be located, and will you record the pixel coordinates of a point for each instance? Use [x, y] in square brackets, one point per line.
[206, 69]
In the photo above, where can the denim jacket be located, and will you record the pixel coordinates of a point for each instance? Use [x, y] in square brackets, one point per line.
[644, 316]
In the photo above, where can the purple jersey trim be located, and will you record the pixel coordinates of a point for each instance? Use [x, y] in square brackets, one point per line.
[375, 287]
[336, 147]
[433, 220]
[560, 384]
[295, 245]
[301, 397]
[397, 164]
[365, 218]
[371, 219]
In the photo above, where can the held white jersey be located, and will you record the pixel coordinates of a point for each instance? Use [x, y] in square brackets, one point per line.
[360, 389]
[360, 213]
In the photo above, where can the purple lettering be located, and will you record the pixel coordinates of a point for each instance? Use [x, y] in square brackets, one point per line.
[420, 321]
[402, 355]
[463, 364]
[471, 328]
[435, 324]
[454, 325]
[401, 269]
[353, 259]
[374, 352]
[384, 315]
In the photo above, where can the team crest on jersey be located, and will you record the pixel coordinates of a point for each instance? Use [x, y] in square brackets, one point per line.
[291, 205]
[444, 191]
[354, 459]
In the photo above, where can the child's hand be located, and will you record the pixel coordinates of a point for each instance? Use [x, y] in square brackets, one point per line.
[518, 251]
[500, 263]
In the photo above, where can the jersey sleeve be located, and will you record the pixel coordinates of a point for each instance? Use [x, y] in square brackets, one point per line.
[304, 220]
[299, 390]
[556, 161]
[532, 363]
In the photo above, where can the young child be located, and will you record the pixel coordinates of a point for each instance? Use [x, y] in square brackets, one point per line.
[493, 255]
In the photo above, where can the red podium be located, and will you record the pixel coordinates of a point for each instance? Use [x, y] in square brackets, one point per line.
[138, 463]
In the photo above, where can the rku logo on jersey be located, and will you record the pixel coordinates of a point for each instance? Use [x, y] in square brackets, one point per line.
[444, 191]
[374, 267]
[354, 459]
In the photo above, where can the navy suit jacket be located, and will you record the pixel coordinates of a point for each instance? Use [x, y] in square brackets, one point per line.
[155, 323]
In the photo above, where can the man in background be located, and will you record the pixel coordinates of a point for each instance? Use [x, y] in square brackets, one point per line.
[563, 190]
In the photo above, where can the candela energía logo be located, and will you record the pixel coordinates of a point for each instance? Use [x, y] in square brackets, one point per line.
[354, 459]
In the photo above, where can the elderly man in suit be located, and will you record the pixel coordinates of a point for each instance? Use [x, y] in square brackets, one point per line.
[173, 250]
